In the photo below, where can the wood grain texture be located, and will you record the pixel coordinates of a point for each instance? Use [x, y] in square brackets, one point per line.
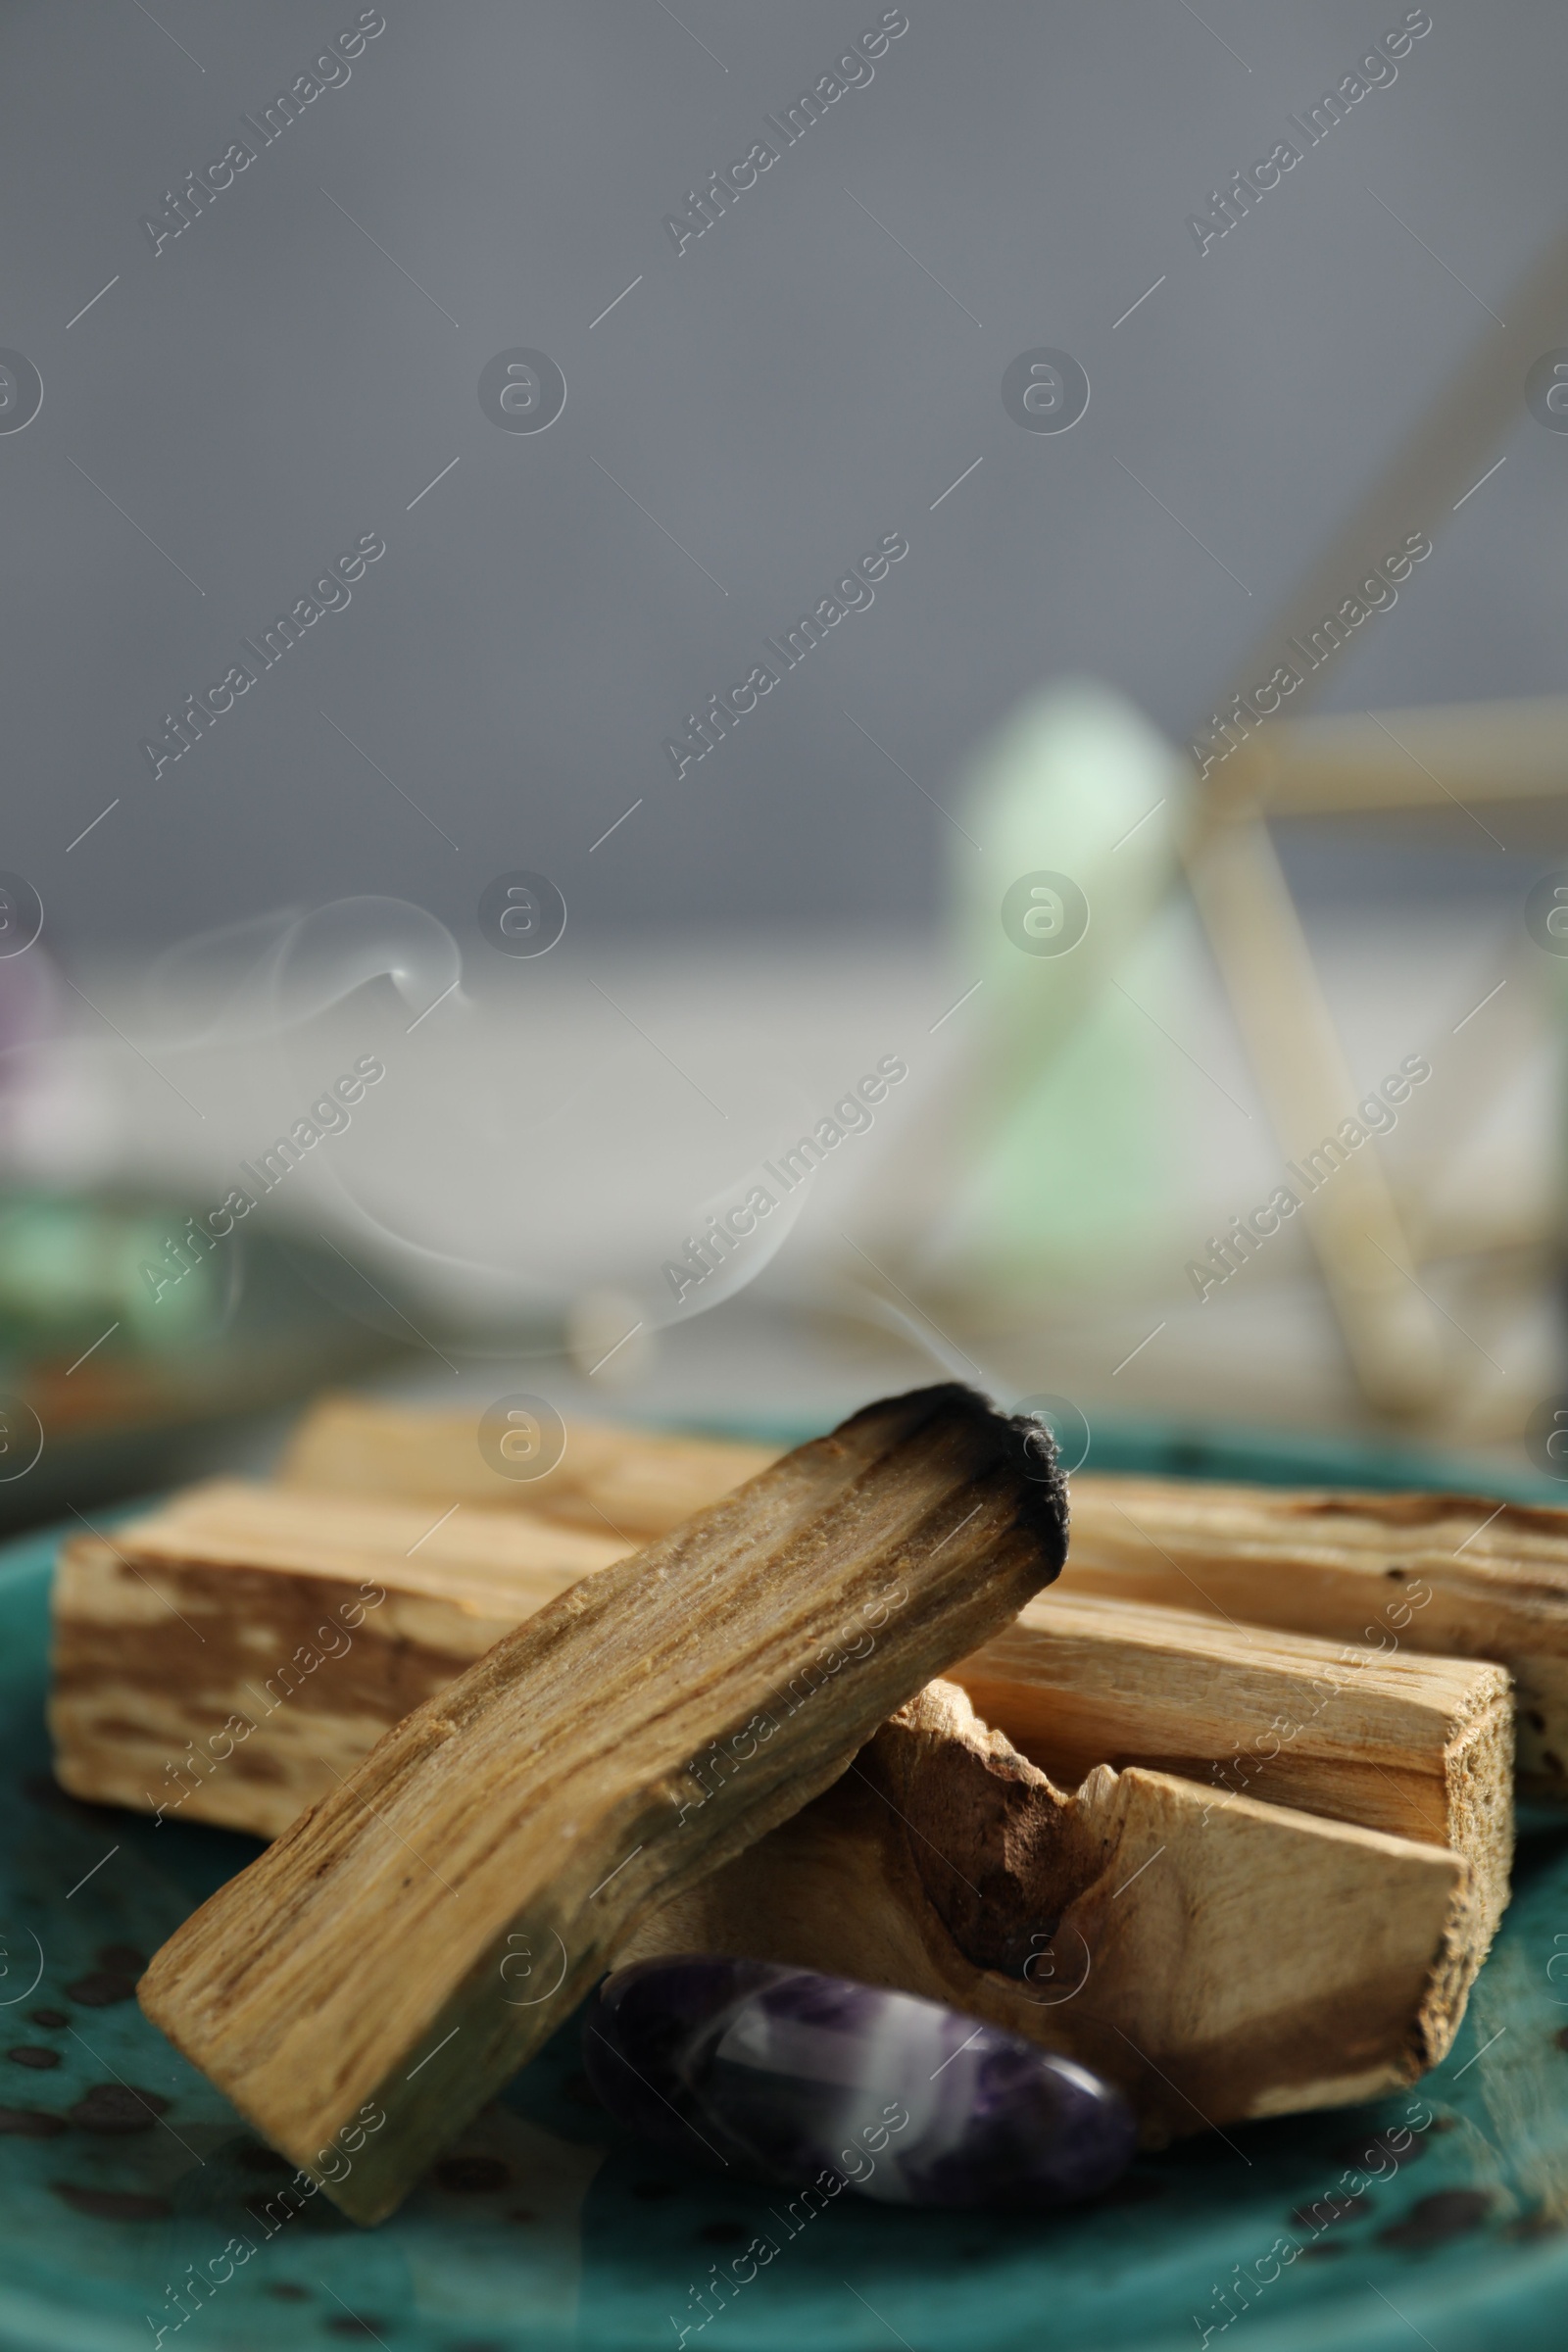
[1454, 1574]
[232, 1655]
[1421, 1747]
[634, 1735]
[629, 1483]
[1218, 1960]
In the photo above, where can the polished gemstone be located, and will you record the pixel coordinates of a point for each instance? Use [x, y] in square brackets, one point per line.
[786, 2074]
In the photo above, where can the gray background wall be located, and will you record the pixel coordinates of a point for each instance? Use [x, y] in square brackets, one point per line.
[790, 387]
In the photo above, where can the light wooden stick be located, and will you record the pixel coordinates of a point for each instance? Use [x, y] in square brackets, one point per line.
[1429, 758]
[630, 1483]
[1453, 1574]
[636, 1733]
[1430, 463]
[1241, 892]
[233, 1655]
[1389, 1325]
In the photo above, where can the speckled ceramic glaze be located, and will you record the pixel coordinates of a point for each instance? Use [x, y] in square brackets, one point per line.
[1433, 2215]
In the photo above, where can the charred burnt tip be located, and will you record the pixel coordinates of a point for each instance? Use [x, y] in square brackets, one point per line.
[1035, 1458]
[1013, 1441]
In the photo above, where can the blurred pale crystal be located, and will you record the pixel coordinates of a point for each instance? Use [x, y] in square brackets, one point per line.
[1076, 1100]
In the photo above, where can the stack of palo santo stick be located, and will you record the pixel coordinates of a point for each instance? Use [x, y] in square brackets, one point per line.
[1227, 1813]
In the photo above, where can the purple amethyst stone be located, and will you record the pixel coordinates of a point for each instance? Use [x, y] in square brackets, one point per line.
[784, 2074]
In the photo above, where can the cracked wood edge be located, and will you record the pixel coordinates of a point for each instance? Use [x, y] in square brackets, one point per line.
[1419, 1746]
[1216, 1960]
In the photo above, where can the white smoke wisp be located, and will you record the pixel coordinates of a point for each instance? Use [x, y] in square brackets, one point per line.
[253, 979]
[501, 1156]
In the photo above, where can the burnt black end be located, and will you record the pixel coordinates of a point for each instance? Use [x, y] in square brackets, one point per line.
[999, 1442]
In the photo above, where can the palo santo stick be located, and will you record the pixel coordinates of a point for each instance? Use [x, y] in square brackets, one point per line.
[1421, 1747]
[626, 1482]
[1453, 1574]
[1218, 1959]
[234, 1654]
[636, 1733]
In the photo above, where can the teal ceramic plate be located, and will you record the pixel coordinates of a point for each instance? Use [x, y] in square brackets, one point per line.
[1428, 2218]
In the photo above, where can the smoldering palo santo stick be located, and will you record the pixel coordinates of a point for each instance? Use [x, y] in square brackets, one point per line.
[548, 1798]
